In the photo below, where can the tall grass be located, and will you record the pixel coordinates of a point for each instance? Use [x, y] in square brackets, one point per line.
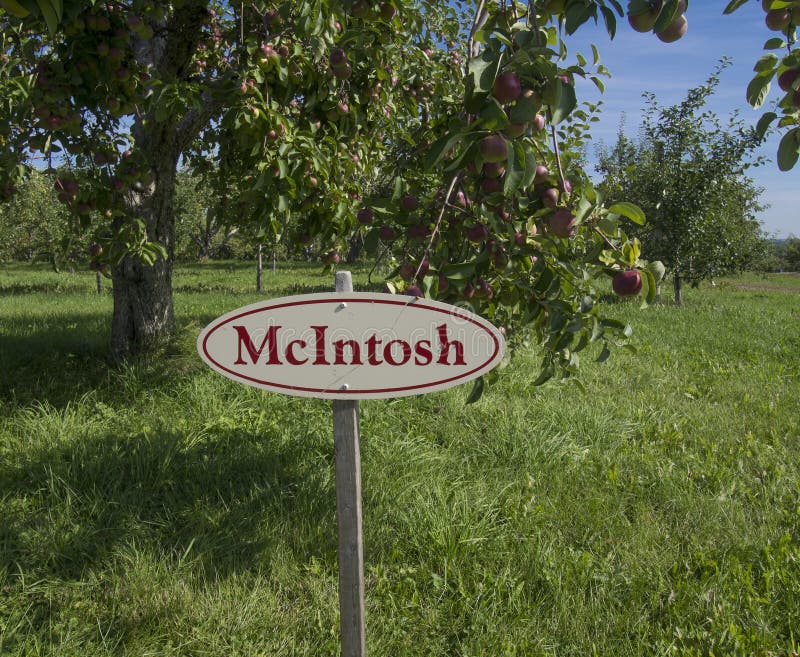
[160, 509]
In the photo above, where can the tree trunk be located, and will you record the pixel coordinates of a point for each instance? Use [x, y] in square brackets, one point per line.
[260, 270]
[356, 243]
[143, 311]
[658, 292]
[678, 285]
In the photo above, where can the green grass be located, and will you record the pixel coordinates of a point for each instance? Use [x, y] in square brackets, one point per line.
[161, 509]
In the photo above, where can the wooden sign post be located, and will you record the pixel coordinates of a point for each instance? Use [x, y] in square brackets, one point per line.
[347, 346]
[348, 515]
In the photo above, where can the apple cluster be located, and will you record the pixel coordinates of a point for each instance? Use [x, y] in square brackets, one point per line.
[647, 15]
[780, 17]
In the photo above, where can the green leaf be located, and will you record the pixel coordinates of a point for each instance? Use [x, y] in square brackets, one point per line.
[649, 285]
[477, 391]
[758, 89]
[629, 210]
[576, 15]
[459, 272]
[14, 8]
[483, 70]
[372, 240]
[524, 110]
[610, 21]
[764, 123]
[546, 374]
[775, 43]
[51, 11]
[515, 169]
[666, 16]
[566, 102]
[789, 149]
[766, 62]
[604, 355]
[440, 148]
[733, 5]
[530, 166]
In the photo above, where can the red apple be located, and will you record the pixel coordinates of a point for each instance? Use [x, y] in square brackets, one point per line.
[674, 31]
[778, 19]
[550, 197]
[477, 233]
[494, 149]
[387, 233]
[541, 174]
[338, 58]
[493, 170]
[538, 123]
[491, 186]
[516, 130]
[387, 11]
[627, 283]
[562, 223]
[506, 88]
[418, 232]
[788, 78]
[365, 216]
[409, 203]
[407, 271]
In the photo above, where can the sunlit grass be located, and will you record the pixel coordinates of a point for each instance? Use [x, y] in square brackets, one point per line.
[158, 508]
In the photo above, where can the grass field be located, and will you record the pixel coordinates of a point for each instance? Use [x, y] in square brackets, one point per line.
[161, 509]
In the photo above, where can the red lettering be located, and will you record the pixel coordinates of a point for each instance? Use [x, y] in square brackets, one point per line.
[355, 352]
[291, 358]
[319, 345]
[372, 345]
[423, 352]
[445, 345]
[255, 354]
[389, 357]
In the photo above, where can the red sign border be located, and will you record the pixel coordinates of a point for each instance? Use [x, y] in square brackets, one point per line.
[334, 298]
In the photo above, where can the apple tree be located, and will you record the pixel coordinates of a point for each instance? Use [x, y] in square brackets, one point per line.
[782, 17]
[687, 172]
[124, 91]
[447, 135]
[35, 226]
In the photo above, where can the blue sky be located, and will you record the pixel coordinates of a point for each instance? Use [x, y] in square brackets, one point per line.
[640, 62]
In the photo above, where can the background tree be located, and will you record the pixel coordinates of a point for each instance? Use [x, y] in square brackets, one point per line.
[686, 171]
[201, 231]
[34, 225]
[792, 253]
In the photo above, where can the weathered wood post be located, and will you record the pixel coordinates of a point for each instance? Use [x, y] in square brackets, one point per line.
[348, 514]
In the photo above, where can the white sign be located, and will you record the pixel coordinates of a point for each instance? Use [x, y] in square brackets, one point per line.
[351, 345]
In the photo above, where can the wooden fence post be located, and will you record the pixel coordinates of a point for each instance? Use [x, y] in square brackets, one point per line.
[348, 514]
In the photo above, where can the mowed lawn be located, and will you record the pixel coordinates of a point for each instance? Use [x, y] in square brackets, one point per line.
[161, 509]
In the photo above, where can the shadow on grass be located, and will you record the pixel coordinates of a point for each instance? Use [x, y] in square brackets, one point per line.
[222, 502]
[58, 359]
[53, 359]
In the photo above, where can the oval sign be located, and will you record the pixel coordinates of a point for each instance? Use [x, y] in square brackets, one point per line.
[351, 345]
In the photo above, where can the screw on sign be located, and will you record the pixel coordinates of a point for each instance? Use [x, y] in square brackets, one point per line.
[347, 346]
